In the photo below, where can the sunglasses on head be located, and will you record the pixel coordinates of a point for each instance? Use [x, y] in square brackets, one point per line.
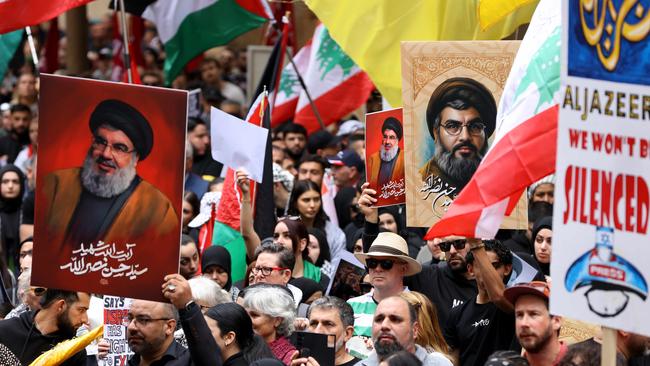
[386, 264]
[458, 244]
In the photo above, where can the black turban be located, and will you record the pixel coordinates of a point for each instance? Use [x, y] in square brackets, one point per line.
[127, 119]
[391, 123]
[469, 91]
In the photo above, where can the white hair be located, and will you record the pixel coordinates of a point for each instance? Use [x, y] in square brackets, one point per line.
[275, 302]
[207, 291]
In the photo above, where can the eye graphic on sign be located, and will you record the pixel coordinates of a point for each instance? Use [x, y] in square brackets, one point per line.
[609, 277]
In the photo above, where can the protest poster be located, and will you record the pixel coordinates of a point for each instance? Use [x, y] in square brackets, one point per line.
[600, 268]
[109, 186]
[441, 157]
[385, 156]
[194, 106]
[347, 277]
[116, 311]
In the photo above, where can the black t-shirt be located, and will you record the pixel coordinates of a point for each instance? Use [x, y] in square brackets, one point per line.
[477, 330]
[205, 165]
[443, 287]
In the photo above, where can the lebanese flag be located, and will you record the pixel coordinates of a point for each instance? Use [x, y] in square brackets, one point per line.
[289, 90]
[336, 84]
[19, 14]
[525, 144]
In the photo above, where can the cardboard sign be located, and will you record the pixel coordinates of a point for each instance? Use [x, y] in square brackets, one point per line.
[436, 168]
[385, 156]
[109, 186]
[600, 269]
[116, 311]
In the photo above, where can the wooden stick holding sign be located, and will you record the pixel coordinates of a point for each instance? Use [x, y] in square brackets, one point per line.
[608, 353]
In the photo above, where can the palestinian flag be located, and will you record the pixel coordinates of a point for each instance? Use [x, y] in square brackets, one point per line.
[336, 84]
[8, 45]
[289, 90]
[17, 14]
[526, 120]
[189, 27]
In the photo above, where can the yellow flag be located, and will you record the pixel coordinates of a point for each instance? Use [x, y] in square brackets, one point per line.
[66, 349]
[492, 11]
[370, 31]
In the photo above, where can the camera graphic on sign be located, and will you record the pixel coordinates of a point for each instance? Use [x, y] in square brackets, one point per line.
[610, 278]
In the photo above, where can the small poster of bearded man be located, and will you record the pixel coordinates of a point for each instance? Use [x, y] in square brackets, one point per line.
[450, 92]
[385, 156]
[109, 186]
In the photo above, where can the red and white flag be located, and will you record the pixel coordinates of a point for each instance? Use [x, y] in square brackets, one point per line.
[525, 143]
[289, 90]
[336, 84]
[18, 14]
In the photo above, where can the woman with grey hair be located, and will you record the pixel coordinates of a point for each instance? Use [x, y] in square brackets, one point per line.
[272, 311]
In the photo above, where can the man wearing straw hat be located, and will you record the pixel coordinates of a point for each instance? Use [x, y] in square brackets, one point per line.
[388, 262]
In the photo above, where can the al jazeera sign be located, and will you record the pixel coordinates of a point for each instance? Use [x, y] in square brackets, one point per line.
[600, 268]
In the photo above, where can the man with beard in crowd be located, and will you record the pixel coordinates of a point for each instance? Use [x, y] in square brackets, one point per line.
[536, 328]
[295, 140]
[104, 199]
[395, 328]
[461, 117]
[387, 164]
[202, 163]
[18, 137]
[33, 333]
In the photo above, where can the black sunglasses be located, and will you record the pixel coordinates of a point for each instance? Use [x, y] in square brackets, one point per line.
[459, 244]
[386, 264]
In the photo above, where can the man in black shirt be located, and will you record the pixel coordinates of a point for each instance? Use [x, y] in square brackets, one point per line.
[33, 333]
[447, 284]
[199, 136]
[150, 332]
[18, 137]
[477, 328]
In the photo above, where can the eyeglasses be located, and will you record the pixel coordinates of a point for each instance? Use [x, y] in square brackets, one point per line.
[116, 149]
[38, 291]
[266, 271]
[141, 320]
[386, 264]
[459, 244]
[474, 128]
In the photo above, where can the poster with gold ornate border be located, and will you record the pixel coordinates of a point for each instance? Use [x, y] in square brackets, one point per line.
[443, 146]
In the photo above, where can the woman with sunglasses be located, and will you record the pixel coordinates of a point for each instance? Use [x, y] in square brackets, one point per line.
[306, 202]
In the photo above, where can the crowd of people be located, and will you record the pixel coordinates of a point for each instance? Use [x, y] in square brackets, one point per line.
[437, 302]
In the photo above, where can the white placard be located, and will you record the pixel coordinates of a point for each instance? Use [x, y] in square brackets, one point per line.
[600, 223]
[116, 310]
[238, 144]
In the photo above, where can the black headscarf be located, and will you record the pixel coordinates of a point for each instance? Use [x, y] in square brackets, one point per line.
[10, 215]
[217, 255]
[545, 222]
[342, 203]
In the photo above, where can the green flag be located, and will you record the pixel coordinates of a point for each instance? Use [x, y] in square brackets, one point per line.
[9, 42]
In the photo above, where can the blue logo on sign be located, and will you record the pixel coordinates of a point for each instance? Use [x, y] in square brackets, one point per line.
[608, 39]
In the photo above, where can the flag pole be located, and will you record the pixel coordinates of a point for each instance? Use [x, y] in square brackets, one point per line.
[125, 41]
[32, 48]
[304, 88]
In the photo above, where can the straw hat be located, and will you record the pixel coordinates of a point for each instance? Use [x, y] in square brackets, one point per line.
[390, 244]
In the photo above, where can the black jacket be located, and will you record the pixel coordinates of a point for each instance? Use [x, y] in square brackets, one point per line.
[202, 346]
[22, 337]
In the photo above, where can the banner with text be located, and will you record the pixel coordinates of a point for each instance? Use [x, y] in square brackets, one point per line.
[116, 311]
[599, 267]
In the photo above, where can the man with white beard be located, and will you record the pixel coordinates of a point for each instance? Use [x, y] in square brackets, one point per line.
[105, 199]
[387, 164]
